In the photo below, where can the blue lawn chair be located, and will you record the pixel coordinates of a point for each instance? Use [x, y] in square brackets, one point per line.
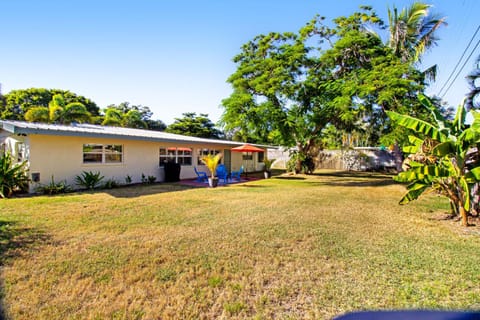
[236, 174]
[201, 176]
[222, 173]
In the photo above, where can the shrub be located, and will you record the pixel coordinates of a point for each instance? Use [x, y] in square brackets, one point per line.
[268, 163]
[128, 179]
[89, 180]
[13, 176]
[149, 179]
[110, 184]
[307, 163]
[54, 187]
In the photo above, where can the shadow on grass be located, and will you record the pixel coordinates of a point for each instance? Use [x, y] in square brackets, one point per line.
[355, 174]
[350, 183]
[139, 190]
[355, 179]
[290, 178]
[13, 243]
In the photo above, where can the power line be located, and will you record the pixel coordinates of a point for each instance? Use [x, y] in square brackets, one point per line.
[459, 60]
[463, 66]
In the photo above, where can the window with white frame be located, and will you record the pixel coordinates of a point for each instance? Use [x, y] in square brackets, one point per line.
[203, 152]
[180, 155]
[102, 153]
[247, 156]
[20, 150]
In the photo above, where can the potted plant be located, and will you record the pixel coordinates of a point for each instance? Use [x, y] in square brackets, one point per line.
[212, 161]
[268, 167]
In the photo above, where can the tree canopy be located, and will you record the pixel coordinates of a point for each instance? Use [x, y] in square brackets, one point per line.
[126, 115]
[59, 112]
[64, 107]
[196, 126]
[289, 87]
[16, 103]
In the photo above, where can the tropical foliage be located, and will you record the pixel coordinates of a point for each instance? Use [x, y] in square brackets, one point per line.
[59, 112]
[412, 30]
[212, 162]
[13, 176]
[293, 88]
[130, 119]
[89, 180]
[64, 107]
[268, 163]
[444, 157]
[16, 103]
[195, 126]
[131, 116]
[54, 187]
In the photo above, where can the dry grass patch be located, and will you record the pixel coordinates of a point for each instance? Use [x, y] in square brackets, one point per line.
[304, 248]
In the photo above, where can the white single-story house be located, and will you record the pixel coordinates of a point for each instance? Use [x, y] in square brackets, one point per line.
[65, 151]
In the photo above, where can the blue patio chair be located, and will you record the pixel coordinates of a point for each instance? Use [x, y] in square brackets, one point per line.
[222, 173]
[236, 174]
[201, 176]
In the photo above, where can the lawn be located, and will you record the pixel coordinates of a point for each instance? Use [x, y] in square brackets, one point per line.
[293, 247]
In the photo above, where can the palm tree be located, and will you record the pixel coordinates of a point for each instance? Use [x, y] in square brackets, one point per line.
[58, 112]
[117, 118]
[413, 31]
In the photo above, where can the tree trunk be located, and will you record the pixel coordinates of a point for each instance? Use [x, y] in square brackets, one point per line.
[464, 215]
[398, 156]
[298, 161]
[298, 165]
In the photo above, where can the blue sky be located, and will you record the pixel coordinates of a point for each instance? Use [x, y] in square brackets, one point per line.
[175, 56]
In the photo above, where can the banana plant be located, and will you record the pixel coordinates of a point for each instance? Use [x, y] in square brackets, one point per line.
[444, 157]
[13, 176]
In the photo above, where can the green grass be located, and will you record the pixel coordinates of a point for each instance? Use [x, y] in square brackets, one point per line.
[302, 247]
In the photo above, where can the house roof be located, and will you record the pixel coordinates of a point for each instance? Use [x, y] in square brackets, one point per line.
[97, 131]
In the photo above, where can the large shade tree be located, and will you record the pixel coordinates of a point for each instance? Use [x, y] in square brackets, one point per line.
[16, 103]
[194, 125]
[59, 112]
[289, 87]
[131, 116]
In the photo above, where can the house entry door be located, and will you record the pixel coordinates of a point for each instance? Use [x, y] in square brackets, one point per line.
[227, 159]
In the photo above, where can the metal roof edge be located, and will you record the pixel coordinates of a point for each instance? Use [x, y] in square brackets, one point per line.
[22, 127]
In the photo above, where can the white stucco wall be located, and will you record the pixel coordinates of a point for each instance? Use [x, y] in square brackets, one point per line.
[62, 157]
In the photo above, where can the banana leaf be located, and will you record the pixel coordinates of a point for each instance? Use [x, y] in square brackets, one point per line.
[431, 170]
[475, 172]
[459, 120]
[414, 191]
[444, 149]
[416, 125]
[415, 140]
[476, 120]
[439, 119]
[466, 192]
[411, 149]
[408, 176]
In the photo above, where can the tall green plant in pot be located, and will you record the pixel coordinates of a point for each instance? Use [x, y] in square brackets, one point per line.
[13, 176]
[212, 161]
[268, 167]
[444, 157]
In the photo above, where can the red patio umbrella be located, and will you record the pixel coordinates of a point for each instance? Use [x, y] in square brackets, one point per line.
[247, 148]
